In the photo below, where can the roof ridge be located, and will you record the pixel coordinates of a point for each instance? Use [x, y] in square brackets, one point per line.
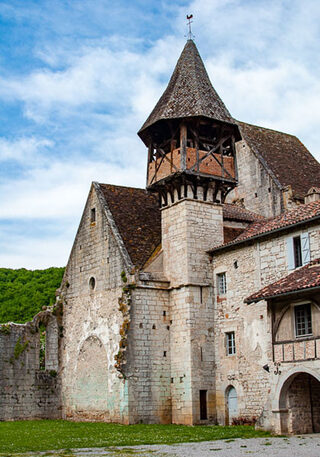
[118, 185]
[267, 128]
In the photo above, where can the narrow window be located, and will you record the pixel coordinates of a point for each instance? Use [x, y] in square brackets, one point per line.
[92, 283]
[230, 343]
[93, 215]
[164, 353]
[203, 405]
[297, 251]
[222, 283]
[303, 320]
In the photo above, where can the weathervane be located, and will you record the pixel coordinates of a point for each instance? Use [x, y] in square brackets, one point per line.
[190, 34]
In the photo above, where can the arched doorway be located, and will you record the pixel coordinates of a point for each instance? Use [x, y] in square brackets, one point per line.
[231, 404]
[300, 404]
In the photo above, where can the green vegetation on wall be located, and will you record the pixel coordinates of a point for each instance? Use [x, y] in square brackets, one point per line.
[23, 292]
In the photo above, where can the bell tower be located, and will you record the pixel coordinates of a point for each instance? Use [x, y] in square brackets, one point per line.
[190, 136]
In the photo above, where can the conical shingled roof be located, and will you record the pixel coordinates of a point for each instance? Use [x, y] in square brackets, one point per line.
[189, 92]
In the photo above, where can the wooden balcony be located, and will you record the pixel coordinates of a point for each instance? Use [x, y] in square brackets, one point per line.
[297, 350]
[196, 162]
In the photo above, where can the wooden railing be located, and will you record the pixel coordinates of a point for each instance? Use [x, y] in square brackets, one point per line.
[297, 350]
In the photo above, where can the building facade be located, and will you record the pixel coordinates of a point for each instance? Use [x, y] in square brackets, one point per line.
[195, 300]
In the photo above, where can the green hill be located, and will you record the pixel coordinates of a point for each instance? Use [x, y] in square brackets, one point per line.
[23, 292]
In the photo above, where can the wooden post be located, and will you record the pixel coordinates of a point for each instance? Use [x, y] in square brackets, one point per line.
[234, 155]
[197, 154]
[183, 146]
[173, 146]
[150, 151]
[222, 165]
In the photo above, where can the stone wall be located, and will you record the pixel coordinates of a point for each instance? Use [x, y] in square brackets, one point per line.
[250, 323]
[248, 269]
[189, 228]
[92, 388]
[26, 391]
[256, 189]
[148, 367]
[303, 405]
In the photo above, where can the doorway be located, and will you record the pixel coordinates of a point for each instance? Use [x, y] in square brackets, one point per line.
[300, 403]
[232, 404]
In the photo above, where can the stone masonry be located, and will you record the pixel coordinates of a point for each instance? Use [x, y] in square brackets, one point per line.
[26, 390]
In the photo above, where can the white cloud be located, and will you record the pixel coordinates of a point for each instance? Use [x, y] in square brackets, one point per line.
[23, 149]
[86, 99]
[60, 190]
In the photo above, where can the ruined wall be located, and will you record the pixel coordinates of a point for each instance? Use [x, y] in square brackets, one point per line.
[256, 187]
[91, 386]
[26, 391]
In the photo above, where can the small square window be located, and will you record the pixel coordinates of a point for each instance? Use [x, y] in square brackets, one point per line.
[303, 324]
[222, 283]
[230, 343]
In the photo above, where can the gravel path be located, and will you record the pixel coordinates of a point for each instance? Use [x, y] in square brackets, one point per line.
[298, 446]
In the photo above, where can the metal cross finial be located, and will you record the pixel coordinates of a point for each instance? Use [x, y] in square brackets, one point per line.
[190, 34]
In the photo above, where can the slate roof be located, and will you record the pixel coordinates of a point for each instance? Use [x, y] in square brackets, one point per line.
[304, 278]
[189, 92]
[137, 216]
[287, 158]
[299, 215]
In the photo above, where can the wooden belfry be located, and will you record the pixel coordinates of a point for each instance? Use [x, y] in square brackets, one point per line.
[190, 135]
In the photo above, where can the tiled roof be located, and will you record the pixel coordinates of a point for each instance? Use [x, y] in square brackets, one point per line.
[237, 213]
[137, 216]
[189, 92]
[301, 214]
[304, 278]
[287, 158]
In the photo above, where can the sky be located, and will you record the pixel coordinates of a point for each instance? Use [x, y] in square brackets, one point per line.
[79, 77]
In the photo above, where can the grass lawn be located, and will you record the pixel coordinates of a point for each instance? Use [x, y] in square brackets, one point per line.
[43, 435]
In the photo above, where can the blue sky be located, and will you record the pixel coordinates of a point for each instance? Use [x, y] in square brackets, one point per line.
[79, 77]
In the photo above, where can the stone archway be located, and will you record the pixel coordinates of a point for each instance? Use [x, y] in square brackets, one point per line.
[300, 404]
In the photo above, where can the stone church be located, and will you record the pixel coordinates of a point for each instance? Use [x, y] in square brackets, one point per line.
[197, 299]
